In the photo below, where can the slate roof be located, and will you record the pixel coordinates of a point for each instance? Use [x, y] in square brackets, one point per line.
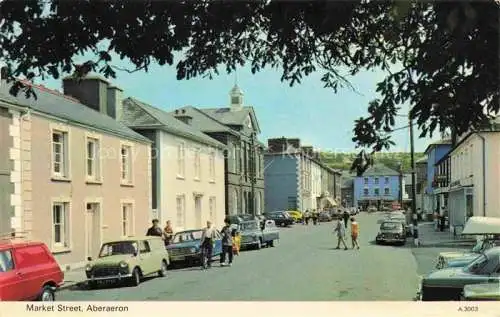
[205, 122]
[54, 103]
[380, 170]
[226, 116]
[170, 124]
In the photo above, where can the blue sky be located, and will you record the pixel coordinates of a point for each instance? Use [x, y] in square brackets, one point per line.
[316, 115]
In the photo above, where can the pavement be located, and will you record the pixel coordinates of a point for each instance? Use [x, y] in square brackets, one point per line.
[303, 266]
[429, 237]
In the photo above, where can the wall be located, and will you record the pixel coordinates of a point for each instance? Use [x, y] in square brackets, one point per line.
[359, 186]
[78, 191]
[281, 176]
[173, 184]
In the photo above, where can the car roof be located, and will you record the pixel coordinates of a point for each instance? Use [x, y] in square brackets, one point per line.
[390, 221]
[132, 239]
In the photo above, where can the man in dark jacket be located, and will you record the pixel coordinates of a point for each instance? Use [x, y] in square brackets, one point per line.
[227, 244]
[346, 217]
[155, 229]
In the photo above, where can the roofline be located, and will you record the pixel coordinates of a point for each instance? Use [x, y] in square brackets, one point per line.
[434, 144]
[229, 130]
[177, 132]
[467, 136]
[299, 153]
[441, 160]
[73, 122]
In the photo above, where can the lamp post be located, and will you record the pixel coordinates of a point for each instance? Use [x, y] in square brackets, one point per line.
[413, 184]
[400, 170]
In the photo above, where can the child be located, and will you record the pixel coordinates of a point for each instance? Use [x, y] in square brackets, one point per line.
[236, 241]
[354, 233]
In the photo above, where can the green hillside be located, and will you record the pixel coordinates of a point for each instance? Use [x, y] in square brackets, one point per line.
[343, 161]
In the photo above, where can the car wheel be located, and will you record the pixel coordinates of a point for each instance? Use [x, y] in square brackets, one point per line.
[92, 284]
[163, 269]
[136, 277]
[48, 294]
[271, 243]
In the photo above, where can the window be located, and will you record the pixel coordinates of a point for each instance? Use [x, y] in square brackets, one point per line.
[386, 180]
[127, 220]
[59, 153]
[144, 247]
[126, 164]
[181, 159]
[212, 166]
[387, 191]
[365, 192]
[366, 180]
[180, 207]
[235, 167]
[375, 180]
[93, 163]
[6, 263]
[376, 192]
[197, 164]
[60, 224]
[212, 209]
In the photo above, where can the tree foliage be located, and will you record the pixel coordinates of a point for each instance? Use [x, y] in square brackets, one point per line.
[445, 52]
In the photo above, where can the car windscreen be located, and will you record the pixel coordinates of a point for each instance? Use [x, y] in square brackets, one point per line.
[246, 226]
[187, 236]
[117, 248]
[391, 226]
[477, 264]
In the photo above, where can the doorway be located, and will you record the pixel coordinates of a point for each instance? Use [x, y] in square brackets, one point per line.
[197, 210]
[92, 229]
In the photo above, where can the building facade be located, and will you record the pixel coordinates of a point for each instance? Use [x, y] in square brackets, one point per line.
[379, 186]
[296, 179]
[347, 190]
[421, 166]
[188, 167]
[474, 180]
[434, 151]
[238, 129]
[77, 176]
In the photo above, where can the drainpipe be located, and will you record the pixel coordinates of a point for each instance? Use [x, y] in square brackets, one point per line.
[484, 172]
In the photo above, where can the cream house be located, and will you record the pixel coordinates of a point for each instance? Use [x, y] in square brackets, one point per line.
[475, 174]
[188, 166]
[76, 177]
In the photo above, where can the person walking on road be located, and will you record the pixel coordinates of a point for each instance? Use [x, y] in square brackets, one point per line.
[306, 217]
[155, 229]
[340, 230]
[227, 244]
[346, 217]
[354, 233]
[207, 240]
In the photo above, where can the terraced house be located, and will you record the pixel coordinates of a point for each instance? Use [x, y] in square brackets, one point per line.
[188, 166]
[71, 175]
[237, 128]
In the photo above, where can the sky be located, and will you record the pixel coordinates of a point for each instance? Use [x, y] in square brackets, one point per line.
[316, 115]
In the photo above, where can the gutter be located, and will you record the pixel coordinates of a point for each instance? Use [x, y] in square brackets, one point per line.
[484, 172]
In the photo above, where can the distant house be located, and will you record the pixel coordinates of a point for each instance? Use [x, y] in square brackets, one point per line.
[434, 151]
[347, 190]
[379, 186]
[71, 176]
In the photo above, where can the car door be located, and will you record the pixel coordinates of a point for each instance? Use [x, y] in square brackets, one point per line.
[146, 259]
[11, 283]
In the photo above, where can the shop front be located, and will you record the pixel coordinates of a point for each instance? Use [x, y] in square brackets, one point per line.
[460, 207]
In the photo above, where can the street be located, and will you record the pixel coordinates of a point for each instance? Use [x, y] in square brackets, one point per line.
[304, 266]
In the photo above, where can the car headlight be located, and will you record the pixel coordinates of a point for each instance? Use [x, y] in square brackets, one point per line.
[192, 250]
[123, 264]
[88, 267]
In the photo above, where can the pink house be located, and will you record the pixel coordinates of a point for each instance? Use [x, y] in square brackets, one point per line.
[71, 176]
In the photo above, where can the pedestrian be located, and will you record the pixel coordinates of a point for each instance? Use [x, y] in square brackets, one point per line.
[436, 220]
[155, 229]
[354, 232]
[346, 217]
[340, 230]
[307, 216]
[227, 244]
[442, 219]
[168, 233]
[207, 241]
[315, 217]
[236, 241]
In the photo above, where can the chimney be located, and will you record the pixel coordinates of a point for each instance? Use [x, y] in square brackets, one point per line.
[115, 99]
[92, 91]
[183, 116]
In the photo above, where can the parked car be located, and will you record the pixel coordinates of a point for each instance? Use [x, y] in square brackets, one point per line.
[481, 292]
[296, 215]
[280, 218]
[487, 227]
[399, 216]
[28, 272]
[130, 260]
[391, 231]
[372, 209]
[448, 284]
[237, 219]
[186, 246]
[324, 217]
[336, 214]
[253, 235]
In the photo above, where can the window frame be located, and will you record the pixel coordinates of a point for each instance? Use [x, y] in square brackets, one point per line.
[211, 162]
[65, 235]
[64, 164]
[366, 180]
[181, 159]
[366, 192]
[129, 223]
[180, 210]
[387, 191]
[96, 161]
[12, 261]
[197, 164]
[126, 162]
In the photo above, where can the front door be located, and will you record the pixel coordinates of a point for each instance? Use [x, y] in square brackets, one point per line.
[92, 230]
[197, 211]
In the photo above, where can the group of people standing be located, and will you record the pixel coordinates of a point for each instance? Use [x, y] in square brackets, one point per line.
[341, 229]
[310, 215]
[166, 234]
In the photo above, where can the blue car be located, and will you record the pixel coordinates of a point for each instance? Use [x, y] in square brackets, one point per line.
[185, 246]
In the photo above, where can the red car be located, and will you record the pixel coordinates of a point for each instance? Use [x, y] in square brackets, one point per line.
[28, 272]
